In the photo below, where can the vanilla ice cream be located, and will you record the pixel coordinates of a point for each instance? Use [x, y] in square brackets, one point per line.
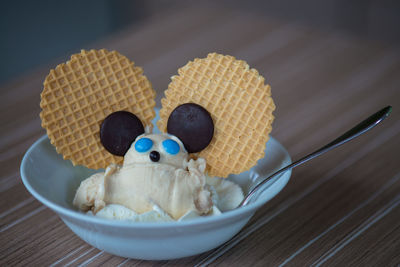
[157, 181]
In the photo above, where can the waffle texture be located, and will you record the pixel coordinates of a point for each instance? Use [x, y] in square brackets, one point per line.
[240, 105]
[79, 94]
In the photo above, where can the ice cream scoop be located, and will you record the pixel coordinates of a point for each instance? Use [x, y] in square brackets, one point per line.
[169, 180]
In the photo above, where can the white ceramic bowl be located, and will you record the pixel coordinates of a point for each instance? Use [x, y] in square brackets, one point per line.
[53, 181]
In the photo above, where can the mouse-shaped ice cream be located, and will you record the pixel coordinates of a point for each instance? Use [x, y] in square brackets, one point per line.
[215, 120]
[157, 169]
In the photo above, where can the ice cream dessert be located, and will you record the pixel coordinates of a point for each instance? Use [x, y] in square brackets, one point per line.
[157, 179]
[215, 120]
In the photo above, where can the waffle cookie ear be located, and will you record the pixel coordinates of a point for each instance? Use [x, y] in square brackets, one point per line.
[239, 103]
[79, 94]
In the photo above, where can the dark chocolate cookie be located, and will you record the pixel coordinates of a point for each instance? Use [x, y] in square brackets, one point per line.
[119, 130]
[193, 125]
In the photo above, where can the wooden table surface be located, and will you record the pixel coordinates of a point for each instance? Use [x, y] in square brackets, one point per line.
[340, 209]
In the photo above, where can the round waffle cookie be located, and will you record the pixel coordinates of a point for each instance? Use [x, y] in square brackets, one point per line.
[81, 93]
[240, 105]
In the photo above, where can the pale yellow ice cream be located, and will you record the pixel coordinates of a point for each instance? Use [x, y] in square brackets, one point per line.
[174, 184]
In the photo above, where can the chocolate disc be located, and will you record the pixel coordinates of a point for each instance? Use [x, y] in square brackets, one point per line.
[119, 130]
[193, 125]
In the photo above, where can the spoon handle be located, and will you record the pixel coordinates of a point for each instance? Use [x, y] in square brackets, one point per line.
[354, 132]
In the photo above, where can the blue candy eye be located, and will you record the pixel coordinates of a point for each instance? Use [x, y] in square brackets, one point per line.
[143, 144]
[171, 147]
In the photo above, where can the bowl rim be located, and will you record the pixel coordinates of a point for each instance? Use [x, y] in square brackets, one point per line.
[74, 214]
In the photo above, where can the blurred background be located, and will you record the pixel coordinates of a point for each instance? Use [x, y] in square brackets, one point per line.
[35, 33]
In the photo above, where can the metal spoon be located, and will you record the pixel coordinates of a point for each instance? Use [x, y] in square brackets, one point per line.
[354, 132]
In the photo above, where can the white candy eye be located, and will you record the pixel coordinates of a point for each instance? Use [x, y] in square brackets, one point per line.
[171, 146]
